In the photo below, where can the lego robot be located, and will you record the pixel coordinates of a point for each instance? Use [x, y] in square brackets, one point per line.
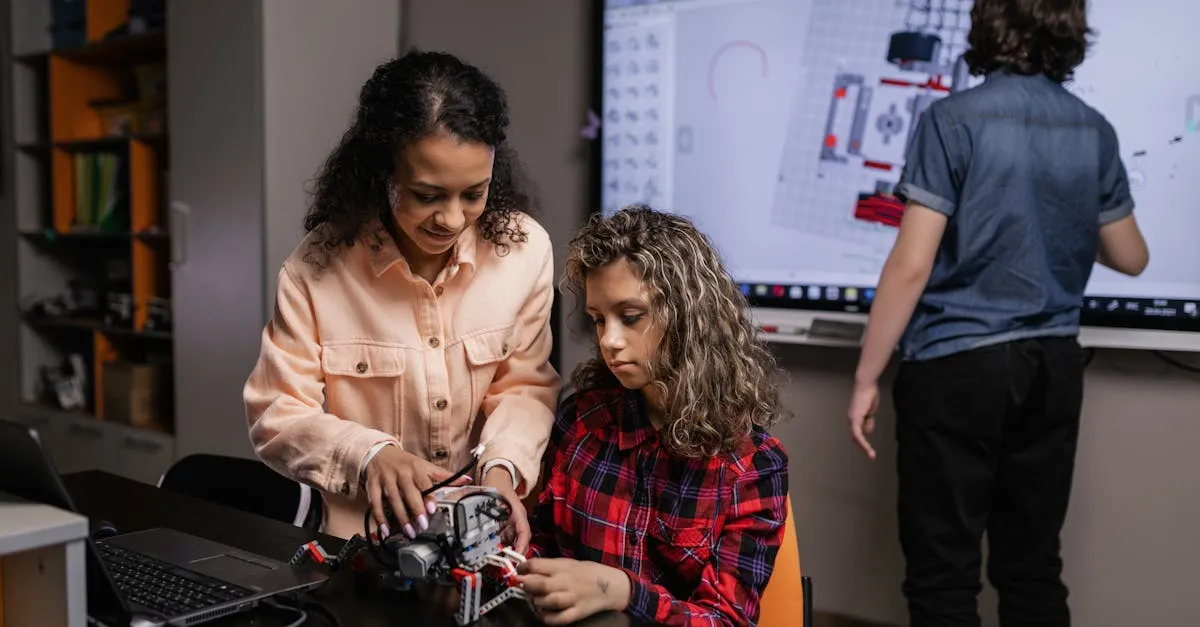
[462, 546]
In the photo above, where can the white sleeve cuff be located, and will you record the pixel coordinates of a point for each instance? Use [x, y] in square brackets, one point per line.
[362, 468]
[504, 463]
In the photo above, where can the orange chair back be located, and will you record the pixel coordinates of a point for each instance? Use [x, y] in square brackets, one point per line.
[782, 603]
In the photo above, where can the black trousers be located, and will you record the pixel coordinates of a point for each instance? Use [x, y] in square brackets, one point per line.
[986, 442]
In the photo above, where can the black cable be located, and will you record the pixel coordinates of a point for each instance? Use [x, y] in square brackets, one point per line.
[308, 602]
[1176, 363]
[461, 472]
[301, 615]
[305, 604]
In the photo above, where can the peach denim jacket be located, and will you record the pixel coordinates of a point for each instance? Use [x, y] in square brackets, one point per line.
[365, 352]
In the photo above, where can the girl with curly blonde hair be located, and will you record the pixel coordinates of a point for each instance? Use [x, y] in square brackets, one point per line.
[666, 496]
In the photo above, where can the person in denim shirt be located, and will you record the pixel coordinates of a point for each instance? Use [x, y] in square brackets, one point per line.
[1013, 190]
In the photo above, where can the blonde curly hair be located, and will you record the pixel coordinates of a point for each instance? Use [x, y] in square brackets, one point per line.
[717, 380]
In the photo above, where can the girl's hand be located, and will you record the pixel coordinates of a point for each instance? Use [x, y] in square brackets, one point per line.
[563, 591]
[397, 478]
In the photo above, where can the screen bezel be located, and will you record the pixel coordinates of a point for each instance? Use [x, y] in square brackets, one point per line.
[1108, 330]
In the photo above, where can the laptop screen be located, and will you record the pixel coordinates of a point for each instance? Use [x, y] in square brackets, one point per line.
[26, 471]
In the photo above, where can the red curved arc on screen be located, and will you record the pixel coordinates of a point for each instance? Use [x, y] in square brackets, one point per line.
[712, 63]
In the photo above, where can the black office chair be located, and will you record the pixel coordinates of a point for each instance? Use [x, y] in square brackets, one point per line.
[245, 484]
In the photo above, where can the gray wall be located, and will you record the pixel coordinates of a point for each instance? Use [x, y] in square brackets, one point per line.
[289, 93]
[9, 371]
[1130, 556]
[316, 56]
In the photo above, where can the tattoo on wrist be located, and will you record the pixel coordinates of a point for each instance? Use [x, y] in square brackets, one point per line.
[603, 585]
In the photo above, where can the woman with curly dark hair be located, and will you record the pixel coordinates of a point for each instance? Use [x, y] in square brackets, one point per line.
[1014, 189]
[412, 323]
[666, 496]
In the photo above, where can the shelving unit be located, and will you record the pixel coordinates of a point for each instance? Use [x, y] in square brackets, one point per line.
[90, 171]
[212, 198]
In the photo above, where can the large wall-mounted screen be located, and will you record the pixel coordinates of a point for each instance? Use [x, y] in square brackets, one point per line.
[781, 126]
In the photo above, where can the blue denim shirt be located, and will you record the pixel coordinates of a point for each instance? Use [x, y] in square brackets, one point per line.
[1026, 172]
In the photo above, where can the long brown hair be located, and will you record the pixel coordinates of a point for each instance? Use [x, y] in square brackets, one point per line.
[716, 378]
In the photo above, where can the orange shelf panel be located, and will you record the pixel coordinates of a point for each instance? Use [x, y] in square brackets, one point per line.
[143, 186]
[105, 15]
[63, 192]
[144, 214]
[147, 279]
[73, 85]
[104, 352]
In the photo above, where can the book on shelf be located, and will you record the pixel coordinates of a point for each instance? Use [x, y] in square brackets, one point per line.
[101, 200]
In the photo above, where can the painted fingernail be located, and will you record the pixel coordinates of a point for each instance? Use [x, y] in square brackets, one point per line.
[384, 531]
[423, 522]
[431, 506]
[408, 529]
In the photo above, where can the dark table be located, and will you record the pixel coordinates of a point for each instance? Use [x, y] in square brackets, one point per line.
[133, 506]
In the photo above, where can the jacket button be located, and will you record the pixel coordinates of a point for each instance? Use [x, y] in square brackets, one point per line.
[440, 453]
[345, 487]
[361, 367]
[438, 290]
[504, 349]
[434, 342]
[440, 404]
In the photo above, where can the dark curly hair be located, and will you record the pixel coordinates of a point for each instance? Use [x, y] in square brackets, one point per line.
[404, 100]
[1048, 37]
[718, 380]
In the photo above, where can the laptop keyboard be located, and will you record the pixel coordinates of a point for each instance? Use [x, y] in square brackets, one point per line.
[162, 587]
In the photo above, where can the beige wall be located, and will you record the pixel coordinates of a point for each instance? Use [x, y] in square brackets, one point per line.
[1131, 556]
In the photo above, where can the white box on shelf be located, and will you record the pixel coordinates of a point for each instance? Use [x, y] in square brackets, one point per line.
[44, 558]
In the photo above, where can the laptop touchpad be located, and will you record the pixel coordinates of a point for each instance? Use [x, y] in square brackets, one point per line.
[230, 567]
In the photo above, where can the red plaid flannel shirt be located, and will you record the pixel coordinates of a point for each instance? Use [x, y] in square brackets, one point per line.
[697, 537]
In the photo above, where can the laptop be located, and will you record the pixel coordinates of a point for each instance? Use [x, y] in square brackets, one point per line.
[154, 577]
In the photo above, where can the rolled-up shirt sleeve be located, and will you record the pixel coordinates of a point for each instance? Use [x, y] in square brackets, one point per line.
[934, 167]
[1116, 200]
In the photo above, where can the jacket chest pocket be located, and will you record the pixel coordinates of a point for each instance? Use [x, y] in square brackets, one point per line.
[485, 351]
[365, 383]
[683, 547]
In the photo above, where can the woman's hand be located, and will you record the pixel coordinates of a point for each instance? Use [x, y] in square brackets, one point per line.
[516, 530]
[397, 478]
[563, 591]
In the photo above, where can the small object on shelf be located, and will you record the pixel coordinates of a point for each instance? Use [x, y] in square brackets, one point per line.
[120, 310]
[117, 118]
[81, 300]
[158, 314]
[133, 393]
[68, 27]
[151, 83]
[85, 298]
[63, 386]
[125, 118]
